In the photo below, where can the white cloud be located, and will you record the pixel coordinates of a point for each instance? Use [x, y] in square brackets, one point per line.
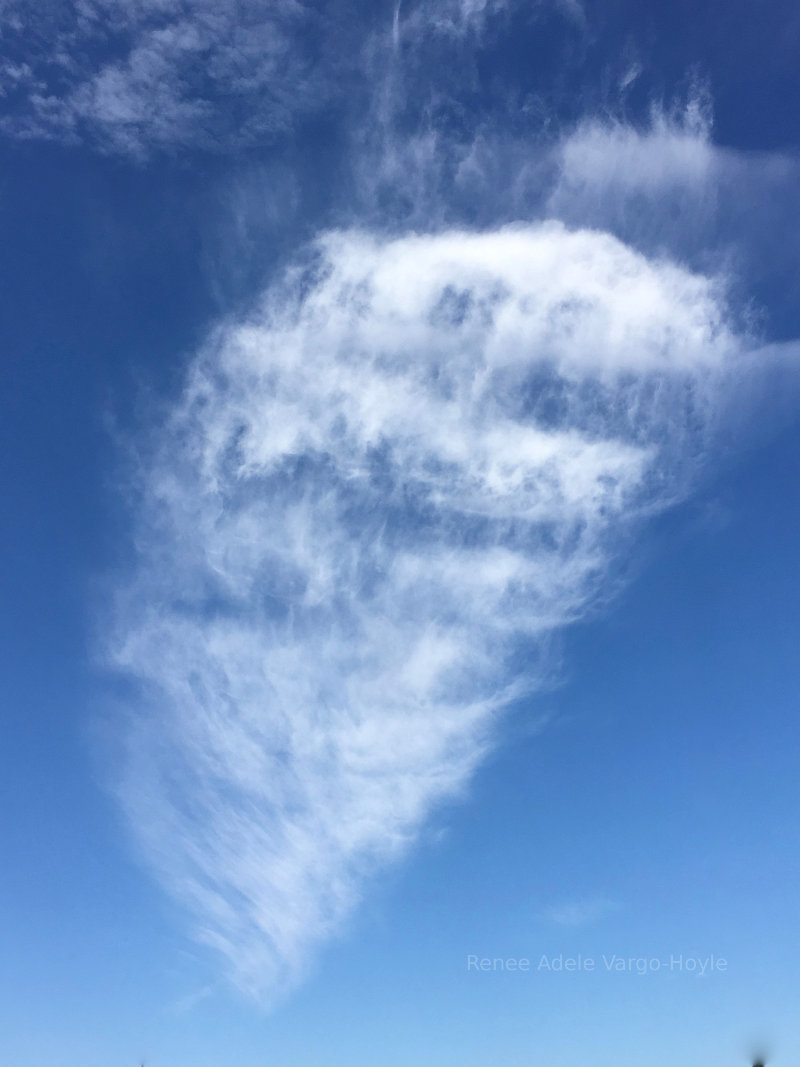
[463, 17]
[600, 155]
[658, 186]
[453, 16]
[416, 458]
[667, 189]
[142, 75]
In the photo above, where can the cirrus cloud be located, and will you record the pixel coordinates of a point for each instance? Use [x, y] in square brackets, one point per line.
[139, 76]
[377, 495]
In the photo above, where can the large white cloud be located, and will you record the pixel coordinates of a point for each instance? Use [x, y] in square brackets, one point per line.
[417, 458]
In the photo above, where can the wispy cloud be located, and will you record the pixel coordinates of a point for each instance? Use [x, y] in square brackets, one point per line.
[657, 185]
[136, 76]
[418, 457]
[139, 77]
[580, 912]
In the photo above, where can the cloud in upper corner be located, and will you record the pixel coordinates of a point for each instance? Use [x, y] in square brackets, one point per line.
[136, 76]
[414, 461]
[464, 17]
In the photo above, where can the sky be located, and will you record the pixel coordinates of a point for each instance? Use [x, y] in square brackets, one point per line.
[401, 436]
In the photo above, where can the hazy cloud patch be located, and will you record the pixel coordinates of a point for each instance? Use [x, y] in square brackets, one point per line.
[156, 75]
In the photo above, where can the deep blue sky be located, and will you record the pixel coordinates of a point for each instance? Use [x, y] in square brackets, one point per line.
[659, 798]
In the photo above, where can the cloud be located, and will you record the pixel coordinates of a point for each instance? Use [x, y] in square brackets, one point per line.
[580, 912]
[470, 17]
[419, 457]
[667, 189]
[449, 17]
[145, 75]
[670, 153]
[663, 186]
[658, 185]
[377, 496]
[138, 77]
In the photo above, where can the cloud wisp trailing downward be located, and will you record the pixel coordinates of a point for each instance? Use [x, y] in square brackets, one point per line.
[414, 461]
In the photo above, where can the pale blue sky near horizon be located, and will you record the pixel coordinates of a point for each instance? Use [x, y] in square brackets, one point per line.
[640, 800]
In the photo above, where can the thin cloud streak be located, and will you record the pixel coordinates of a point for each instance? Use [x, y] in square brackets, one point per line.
[378, 494]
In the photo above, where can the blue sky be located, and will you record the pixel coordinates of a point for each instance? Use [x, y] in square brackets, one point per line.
[400, 455]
